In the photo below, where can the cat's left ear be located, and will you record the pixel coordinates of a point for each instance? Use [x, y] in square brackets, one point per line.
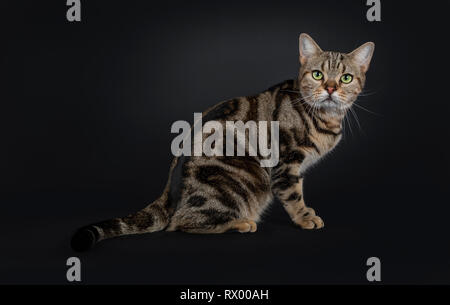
[362, 55]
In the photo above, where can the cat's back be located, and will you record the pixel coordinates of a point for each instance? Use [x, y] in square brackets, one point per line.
[257, 107]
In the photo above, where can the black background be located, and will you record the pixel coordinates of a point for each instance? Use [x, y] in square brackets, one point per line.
[86, 110]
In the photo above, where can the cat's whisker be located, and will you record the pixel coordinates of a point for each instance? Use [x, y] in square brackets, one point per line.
[357, 120]
[364, 95]
[311, 108]
[349, 126]
[343, 129]
[365, 109]
[316, 109]
[291, 91]
[367, 93]
[346, 119]
[300, 99]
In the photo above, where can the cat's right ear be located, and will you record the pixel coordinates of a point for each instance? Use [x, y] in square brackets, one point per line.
[307, 48]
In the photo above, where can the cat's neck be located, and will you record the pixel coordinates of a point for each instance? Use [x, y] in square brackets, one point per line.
[330, 118]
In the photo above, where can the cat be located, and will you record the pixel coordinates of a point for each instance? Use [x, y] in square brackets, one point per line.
[219, 194]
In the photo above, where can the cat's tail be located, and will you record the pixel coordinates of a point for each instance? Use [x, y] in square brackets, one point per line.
[154, 217]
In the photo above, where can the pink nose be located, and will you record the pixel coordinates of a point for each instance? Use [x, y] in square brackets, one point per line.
[331, 90]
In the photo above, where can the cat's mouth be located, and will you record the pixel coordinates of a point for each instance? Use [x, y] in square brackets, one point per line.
[329, 102]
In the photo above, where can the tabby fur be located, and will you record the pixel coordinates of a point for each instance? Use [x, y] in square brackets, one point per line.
[218, 194]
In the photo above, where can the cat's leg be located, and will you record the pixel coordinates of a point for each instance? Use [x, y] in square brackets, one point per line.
[288, 187]
[241, 225]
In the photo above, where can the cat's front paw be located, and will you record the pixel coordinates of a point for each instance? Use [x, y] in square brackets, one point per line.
[308, 219]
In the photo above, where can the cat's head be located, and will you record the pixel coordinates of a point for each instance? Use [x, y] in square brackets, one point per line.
[332, 81]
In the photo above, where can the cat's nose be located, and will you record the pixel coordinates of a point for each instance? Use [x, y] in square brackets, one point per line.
[330, 86]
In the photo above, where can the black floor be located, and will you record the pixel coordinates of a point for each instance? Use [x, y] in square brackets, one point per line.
[412, 244]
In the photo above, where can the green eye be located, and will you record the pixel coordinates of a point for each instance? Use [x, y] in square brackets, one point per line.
[317, 75]
[346, 78]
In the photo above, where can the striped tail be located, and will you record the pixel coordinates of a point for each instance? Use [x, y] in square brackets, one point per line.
[154, 217]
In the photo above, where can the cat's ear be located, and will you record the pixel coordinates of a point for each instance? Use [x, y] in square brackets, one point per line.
[362, 55]
[307, 48]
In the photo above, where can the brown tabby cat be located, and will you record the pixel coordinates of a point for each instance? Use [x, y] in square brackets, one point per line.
[216, 194]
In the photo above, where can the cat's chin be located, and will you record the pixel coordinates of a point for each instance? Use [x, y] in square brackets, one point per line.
[330, 106]
[329, 103]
